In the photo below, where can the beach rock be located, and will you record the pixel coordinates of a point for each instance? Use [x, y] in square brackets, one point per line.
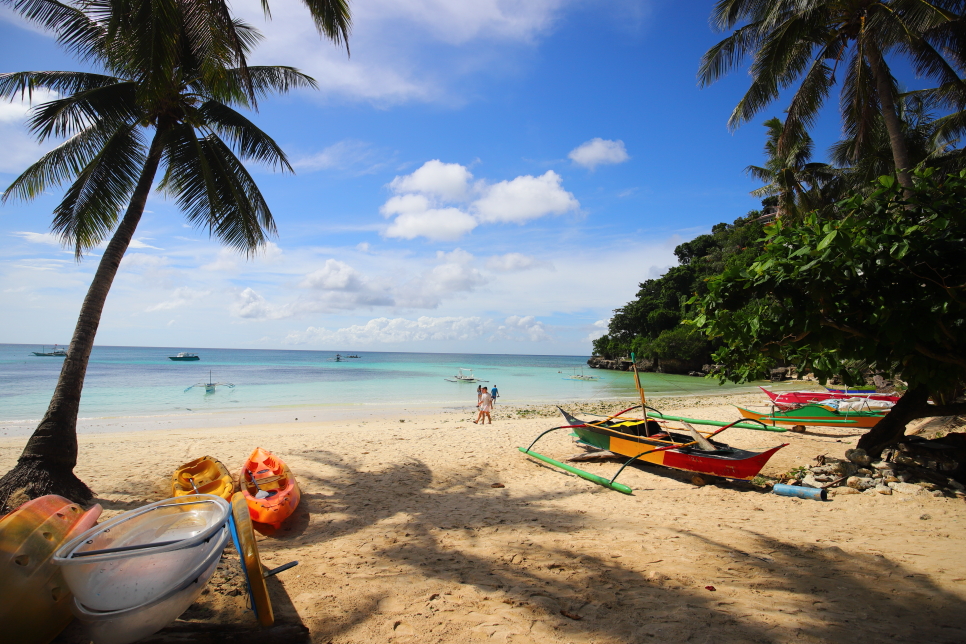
[798, 429]
[889, 479]
[810, 481]
[883, 489]
[906, 488]
[860, 482]
[938, 493]
[844, 468]
[836, 491]
[956, 485]
[858, 456]
[905, 477]
[881, 465]
[864, 471]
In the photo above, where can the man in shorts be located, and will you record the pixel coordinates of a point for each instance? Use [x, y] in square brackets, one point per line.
[486, 405]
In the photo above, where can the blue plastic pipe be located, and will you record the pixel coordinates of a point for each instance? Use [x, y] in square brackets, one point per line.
[802, 492]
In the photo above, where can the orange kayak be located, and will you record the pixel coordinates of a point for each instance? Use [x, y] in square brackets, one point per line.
[209, 476]
[266, 475]
[34, 598]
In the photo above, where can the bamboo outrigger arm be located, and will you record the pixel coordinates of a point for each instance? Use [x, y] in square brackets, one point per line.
[599, 480]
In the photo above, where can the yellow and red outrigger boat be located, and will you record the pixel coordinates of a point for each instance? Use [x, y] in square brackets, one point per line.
[645, 439]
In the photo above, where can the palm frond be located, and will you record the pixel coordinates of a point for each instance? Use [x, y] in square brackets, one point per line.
[215, 190]
[243, 135]
[90, 209]
[114, 103]
[26, 83]
[75, 30]
[333, 19]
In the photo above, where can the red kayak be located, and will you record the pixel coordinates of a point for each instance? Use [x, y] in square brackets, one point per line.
[793, 398]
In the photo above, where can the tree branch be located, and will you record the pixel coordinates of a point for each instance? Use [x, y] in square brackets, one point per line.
[948, 359]
[930, 411]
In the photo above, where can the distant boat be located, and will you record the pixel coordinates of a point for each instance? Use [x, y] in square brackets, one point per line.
[55, 352]
[182, 357]
[581, 376]
[352, 356]
[464, 375]
[210, 386]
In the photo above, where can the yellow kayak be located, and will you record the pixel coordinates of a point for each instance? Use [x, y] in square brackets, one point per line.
[34, 598]
[208, 475]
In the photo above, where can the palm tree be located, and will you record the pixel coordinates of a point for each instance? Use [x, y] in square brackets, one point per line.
[804, 43]
[796, 182]
[173, 72]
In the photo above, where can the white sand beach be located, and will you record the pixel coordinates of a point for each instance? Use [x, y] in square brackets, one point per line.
[419, 526]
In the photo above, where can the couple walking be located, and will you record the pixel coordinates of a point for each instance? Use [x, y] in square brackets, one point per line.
[484, 401]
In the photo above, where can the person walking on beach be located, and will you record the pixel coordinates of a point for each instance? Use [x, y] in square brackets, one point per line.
[479, 395]
[494, 394]
[486, 404]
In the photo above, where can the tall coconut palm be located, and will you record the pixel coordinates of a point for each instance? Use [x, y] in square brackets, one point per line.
[804, 44]
[164, 103]
[797, 182]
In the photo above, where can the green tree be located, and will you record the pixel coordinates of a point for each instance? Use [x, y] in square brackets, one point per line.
[881, 283]
[804, 44]
[173, 72]
[790, 175]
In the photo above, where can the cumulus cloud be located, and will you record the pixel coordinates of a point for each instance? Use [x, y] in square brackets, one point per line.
[394, 330]
[440, 201]
[49, 239]
[335, 275]
[250, 305]
[599, 329]
[525, 198]
[19, 147]
[522, 328]
[597, 152]
[513, 262]
[181, 297]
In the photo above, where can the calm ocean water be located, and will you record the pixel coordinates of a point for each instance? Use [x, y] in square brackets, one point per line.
[143, 382]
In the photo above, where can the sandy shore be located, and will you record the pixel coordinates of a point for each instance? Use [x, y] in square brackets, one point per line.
[420, 526]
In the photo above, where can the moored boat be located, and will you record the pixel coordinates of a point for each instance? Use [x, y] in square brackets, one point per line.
[789, 399]
[34, 598]
[184, 357]
[54, 352]
[464, 375]
[270, 488]
[205, 475]
[819, 415]
[650, 442]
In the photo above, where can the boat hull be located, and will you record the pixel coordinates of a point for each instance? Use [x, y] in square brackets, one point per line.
[727, 462]
[811, 415]
[185, 359]
[275, 477]
[790, 399]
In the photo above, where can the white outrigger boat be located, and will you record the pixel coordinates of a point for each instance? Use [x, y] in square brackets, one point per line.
[581, 376]
[464, 375]
[210, 386]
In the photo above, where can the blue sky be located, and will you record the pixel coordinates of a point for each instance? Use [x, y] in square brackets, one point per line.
[491, 177]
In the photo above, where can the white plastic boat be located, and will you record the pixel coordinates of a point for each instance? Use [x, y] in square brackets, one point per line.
[141, 555]
[133, 624]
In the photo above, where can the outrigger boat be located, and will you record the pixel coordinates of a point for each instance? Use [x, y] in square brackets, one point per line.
[645, 439]
[581, 376]
[791, 399]
[464, 375]
[55, 352]
[820, 415]
[210, 386]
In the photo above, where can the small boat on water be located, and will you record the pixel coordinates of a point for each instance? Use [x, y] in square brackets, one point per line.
[210, 387]
[53, 353]
[581, 376]
[817, 415]
[352, 356]
[184, 357]
[34, 599]
[205, 475]
[464, 375]
[270, 489]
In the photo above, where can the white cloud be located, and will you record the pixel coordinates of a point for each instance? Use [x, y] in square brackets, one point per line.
[181, 297]
[394, 330]
[20, 149]
[335, 275]
[227, 261]
[513, 262]
[250, 305]
[522, 328]
[49, 239]
[447, 181]
[347, 154]
[440, 201]
[599, 329]
[135, 243]
[525, 198]
[599, 152]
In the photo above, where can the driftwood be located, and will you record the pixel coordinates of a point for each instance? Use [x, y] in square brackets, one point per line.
[598, 455]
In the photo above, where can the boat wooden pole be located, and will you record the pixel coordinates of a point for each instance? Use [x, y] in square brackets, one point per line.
[640, 392]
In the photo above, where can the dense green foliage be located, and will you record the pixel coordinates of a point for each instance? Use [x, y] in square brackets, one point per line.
[650, 325]
[881, 280]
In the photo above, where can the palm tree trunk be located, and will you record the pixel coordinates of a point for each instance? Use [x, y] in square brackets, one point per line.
[888, 431]
[890, 115]
[47, 463]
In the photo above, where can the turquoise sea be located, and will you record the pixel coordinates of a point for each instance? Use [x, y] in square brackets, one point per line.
[141, 382]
